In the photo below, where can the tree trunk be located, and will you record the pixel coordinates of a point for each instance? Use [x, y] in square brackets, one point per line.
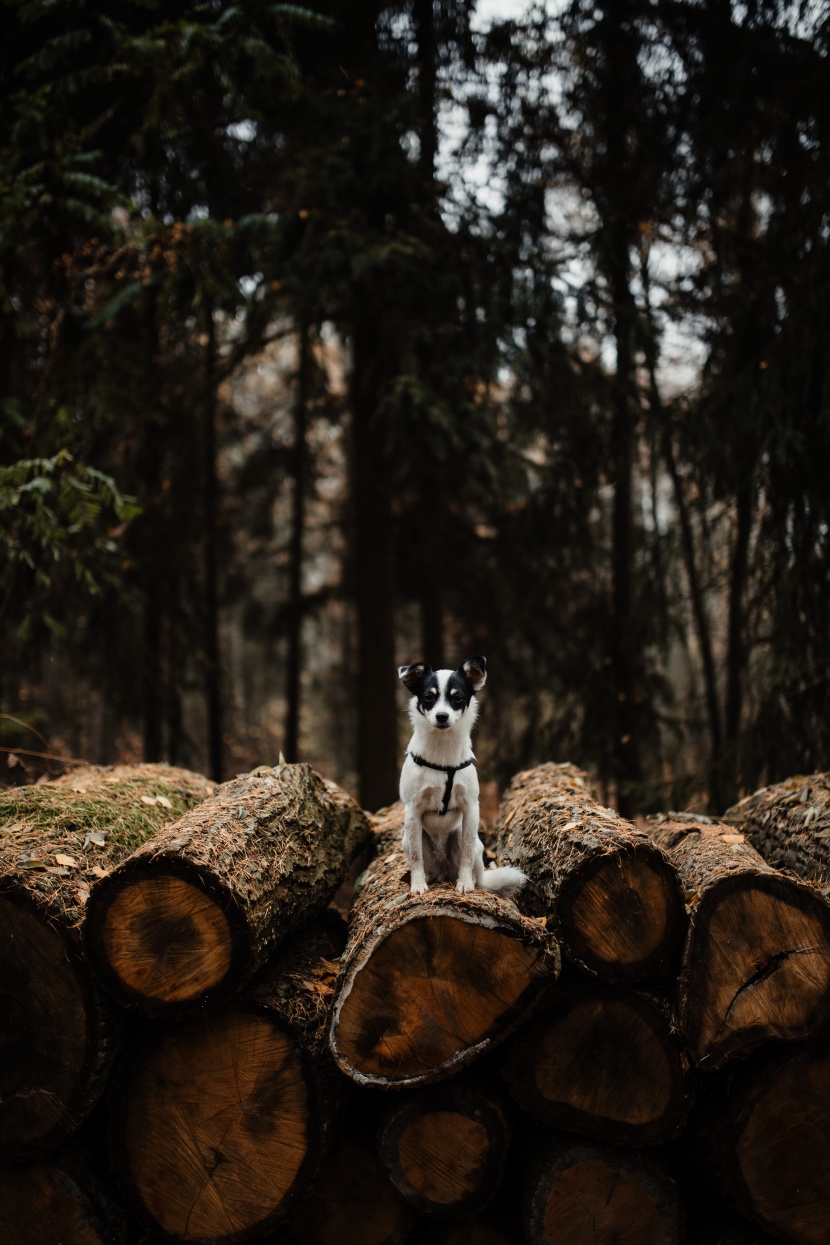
[293, 665]
[445, 1150]
[352, 1202]
[588, 1194]
[222, 1121]
[615, 896]
[604, 1061]
[58, 1202]
[430, 982]
[789, 824]
[210, 485]
[192, 915]
[736, 643]
[59, 1033]
[375, 682]
[772, 1144]
[756, 965]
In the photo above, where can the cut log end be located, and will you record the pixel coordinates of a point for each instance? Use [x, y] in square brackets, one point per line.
[445, 1150]
[622, 915]
[352, 1203]
[780, 1157]
[760, 969]
[164, 940]
[602, 1061]
[216, 1127]
[428, 996]
[41, 1203]
[45, 1036]
[587, 1196]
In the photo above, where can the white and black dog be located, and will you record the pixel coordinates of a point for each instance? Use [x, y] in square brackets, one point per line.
[439, 783]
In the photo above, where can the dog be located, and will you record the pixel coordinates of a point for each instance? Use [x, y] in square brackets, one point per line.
[439, 783]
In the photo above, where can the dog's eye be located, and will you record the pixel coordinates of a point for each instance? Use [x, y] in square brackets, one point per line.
[453, 692]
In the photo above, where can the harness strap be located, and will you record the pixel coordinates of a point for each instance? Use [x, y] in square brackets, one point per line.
[449, 770]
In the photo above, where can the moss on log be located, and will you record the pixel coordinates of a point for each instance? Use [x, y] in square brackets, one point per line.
[756, 964]
[615, 896]
[221, 1121]
[191, 916]
[59, 1032]
[789, 824]
[430, 982]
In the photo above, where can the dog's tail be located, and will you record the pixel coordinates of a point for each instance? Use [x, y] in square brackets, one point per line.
[506, 881]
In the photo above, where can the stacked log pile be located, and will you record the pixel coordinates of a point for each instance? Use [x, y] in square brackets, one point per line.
[635, 1052]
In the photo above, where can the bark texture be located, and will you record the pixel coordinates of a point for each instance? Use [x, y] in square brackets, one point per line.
[756, 963]
[352, 1202]
[195, 912]
[429, 982]
[59, 1032]
[614, 895]
[588, 1194]
[773, 1144]
[444, 1150]
[221, 1122]
[604, 1061]
[789, 824]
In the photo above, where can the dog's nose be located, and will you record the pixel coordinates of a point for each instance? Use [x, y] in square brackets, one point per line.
[442, 718]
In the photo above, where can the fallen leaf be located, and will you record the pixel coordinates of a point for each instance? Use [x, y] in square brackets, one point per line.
[59, 872]
[148, 799]
[163, 801]
[732, 838]
[98, 871]
[98, 837]
[66, 860]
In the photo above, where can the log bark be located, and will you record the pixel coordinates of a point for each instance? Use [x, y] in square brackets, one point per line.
[220, 1122]
[789, 824]
[430, 982]
[59, 1032]
[195, 912]
[604, 1061]
[352, 1202]
[756, 964]
[773, 1143]
[588, 1194]
[58, 1202]
[615, 897]
[444, 1150]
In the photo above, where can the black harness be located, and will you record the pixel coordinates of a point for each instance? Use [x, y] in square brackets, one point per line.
[449, 770]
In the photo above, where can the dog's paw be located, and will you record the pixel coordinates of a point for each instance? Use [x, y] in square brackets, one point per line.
[418, 888]
[464, 885]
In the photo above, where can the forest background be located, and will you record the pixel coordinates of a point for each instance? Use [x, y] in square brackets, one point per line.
[342, 336]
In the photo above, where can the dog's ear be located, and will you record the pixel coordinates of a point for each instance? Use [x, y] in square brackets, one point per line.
[474, 670]
[413, 676]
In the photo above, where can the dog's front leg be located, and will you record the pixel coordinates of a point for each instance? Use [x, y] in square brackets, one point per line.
[469, 838]
[413, 841]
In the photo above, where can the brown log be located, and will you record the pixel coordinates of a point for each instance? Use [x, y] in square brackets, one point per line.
[59, 1033]
[429, 982]
[789, 824]
[444, 1150]
[586, 1194]
[475, 1230]
[756, 964]
[60, 1201]
[773, 1143]
[220, 1122]
[352, 1202]
[603, 1061]
[197, 910]
[615, 896]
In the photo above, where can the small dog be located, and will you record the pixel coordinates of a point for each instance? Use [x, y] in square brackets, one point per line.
[439, 784]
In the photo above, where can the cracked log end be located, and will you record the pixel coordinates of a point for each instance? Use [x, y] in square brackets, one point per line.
[215, 1128]
[163, 940]
[776, 1151]
[435, 990]
[445, 1150]
[758, 966]
[632, 1088]
[352, 1202]
[47, 1035]
[622, 914]
[587, 1195]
